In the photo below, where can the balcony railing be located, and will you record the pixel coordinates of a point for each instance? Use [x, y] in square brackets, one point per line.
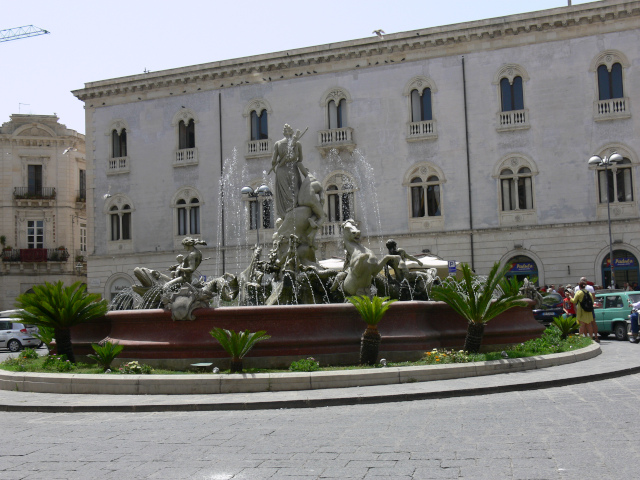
[258, 148]
[186, 156]
[336, 138]
[513, 120]
[81, 196]
[48, 193]
[612, 108]
[118, 165]
[35, 255]
[422, 130]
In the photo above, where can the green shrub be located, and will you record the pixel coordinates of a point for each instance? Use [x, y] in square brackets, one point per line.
[105, 354]
[51, 361]
[305, 365]
[237, 345]
[135, 368]
[566, 325]
[28, 354]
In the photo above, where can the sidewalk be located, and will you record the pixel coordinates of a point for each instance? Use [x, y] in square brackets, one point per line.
[617, 359]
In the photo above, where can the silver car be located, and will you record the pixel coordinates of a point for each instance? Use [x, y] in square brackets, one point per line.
[15, 335]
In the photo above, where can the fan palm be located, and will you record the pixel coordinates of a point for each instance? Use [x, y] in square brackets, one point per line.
[371, 311]
[59, 307]
[479, 300]
[237, 344]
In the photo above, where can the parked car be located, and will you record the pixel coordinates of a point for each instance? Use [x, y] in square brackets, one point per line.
[611, 316]
[551, 307]
[15, 335]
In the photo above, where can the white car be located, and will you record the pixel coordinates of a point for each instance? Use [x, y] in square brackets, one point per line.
[15, 335]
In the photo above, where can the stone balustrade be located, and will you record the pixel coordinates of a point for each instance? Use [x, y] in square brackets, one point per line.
[258, 148]
[118, 165]
[423, 130]
[611, 108]
[186, 156]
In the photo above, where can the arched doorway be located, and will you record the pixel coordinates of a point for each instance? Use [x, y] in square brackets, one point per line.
[625, 266]
[523, 267]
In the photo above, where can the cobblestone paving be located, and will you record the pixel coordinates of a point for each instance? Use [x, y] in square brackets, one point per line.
[586, 431]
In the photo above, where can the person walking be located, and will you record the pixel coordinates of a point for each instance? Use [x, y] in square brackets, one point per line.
[584, 311]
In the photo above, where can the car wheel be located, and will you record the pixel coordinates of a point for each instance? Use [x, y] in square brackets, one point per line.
[620, 331]
[14, 345]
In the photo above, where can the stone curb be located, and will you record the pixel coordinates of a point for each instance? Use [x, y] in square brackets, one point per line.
[279, 382]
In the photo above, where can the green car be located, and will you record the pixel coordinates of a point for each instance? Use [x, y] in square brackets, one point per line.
[612, 311]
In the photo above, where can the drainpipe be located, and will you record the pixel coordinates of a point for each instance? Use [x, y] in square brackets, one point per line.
[222, 243]
[466, 135]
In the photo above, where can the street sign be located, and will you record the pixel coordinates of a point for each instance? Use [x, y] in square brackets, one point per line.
[452, 267]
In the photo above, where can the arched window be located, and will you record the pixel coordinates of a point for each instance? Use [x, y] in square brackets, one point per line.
[511, 94]
[120, 220]
[510, 80]
[610, 81]
[610, 103]
[336, 112]
[425, 196]
[186, 134]
[421, 105]
[260, 210]
[517, 189]
[119, 143]
[259, 125]
[187, 206]
[340, 198]
[619, 182]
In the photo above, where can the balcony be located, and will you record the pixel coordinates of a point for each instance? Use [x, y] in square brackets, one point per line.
[611, 109]
[424, 130]
[118, 165]
[258, 148]
[34, 197]
[186, 156]
[513, 120]
[35, 255]
[81, 196]
[340, 139]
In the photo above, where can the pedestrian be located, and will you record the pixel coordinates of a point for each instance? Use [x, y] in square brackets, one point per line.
[585, 316]
[568, 307]
[634, 337]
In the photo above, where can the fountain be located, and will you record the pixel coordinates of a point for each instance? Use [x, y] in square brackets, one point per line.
[297, 298]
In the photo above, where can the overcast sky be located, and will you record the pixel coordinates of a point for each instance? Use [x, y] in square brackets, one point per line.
[92, 40]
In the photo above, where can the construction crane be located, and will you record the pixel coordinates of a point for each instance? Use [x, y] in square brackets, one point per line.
[21, 32]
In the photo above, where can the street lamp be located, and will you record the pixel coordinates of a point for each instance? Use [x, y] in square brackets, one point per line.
[606, 162]
[262, 191]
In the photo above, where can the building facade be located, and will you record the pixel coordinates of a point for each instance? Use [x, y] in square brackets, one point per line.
[467, 141]
[43, 221]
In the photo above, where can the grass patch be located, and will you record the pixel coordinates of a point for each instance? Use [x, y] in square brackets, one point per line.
[550, 342]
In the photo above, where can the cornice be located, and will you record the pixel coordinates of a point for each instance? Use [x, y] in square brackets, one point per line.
[535, 27]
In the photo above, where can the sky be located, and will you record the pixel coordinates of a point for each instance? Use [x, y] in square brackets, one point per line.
[92, 41]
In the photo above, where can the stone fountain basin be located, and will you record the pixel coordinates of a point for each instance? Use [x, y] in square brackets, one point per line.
[329, 333]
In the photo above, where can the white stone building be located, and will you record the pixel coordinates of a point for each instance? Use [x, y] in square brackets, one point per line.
[43, 220]
[469, 141]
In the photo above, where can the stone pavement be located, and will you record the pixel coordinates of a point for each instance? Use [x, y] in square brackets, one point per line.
[617, 359]
[580, 431]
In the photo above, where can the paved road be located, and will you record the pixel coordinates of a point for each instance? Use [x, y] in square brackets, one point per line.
[585, 431]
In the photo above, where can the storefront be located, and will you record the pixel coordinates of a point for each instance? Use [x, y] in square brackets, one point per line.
[625, 266]
[523, 267]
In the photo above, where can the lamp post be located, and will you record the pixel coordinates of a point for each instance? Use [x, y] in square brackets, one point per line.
[606, 162]
[262, 191]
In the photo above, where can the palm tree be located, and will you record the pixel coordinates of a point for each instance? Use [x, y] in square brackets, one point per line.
[371, 312]
[237, 344]
[479, 300]
[59, 307]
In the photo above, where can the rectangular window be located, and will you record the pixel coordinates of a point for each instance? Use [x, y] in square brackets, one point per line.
[417, 202]
[253, 214]
[126, 226]
[115, 227]
[35, 234]
[35, 179]
[82, 181]
[83, 238]
[182, 221]
[194, 220]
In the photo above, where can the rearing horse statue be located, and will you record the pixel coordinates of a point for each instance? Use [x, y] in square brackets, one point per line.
[361, 264]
